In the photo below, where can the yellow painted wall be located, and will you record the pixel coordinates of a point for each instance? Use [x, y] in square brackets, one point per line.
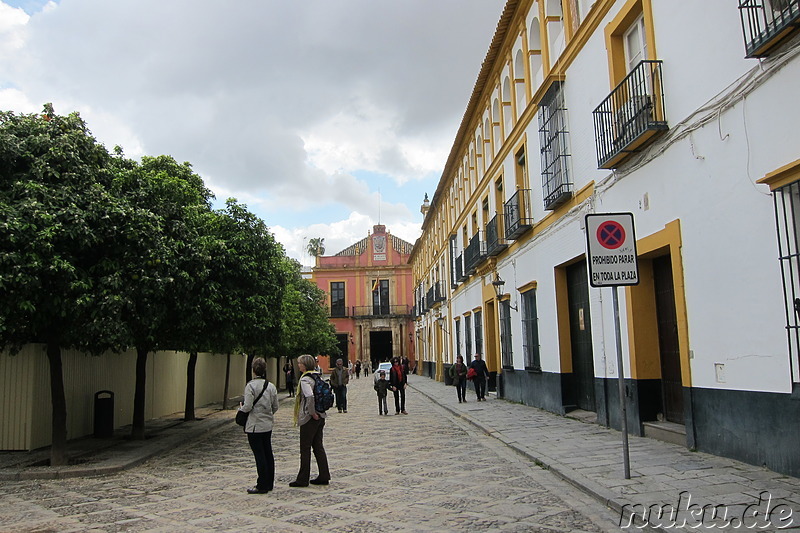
[25, 380]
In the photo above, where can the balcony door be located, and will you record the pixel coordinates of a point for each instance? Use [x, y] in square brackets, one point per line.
[380, 297]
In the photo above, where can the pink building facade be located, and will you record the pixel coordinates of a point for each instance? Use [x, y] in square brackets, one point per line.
[370, 298]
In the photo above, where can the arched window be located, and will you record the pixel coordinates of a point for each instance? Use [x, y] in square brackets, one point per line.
[535, 54]
[487, 132]
[507, 110]
[519, 82]
[496, 137]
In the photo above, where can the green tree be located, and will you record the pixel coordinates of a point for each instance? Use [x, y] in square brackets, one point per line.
[55, 222]
[316, 247]
[253, 284]
[305, 324]
[154, 271]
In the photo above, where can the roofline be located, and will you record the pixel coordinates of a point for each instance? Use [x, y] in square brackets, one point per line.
[500, 33]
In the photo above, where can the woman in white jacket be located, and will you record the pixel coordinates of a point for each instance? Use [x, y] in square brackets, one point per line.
[259, 424]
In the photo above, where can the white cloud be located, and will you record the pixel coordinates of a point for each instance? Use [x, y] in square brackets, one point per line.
[279, 104]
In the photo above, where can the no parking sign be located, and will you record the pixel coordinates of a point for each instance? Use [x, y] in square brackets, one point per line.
[611, 250]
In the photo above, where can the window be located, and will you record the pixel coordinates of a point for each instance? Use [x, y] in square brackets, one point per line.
[530, 331]
[458, 338]
[338, 308]
[380, 297]
[453, 257]
[478, 332]
[635, 44]
[468, 336]
[505, 334]
[554, 147]
[787, 216]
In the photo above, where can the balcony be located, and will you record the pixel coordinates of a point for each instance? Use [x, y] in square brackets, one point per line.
[767, 23]
[460, 275]
[382, 311]
[338, 311]
[438, 292]
[631, 115]
[495, 243]
[517, 214]
[474, 254]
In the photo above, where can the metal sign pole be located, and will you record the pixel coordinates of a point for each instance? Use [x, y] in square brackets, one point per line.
[621, 382]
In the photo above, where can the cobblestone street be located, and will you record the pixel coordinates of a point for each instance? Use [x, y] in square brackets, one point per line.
[423, 472]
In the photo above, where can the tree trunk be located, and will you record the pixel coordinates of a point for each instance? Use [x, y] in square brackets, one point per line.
[137, 428]
[227, 381]
[188, 411]
[248, 371]
[58, 448]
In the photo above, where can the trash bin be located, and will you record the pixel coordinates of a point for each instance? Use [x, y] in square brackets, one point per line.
[447, 379]
[104, 414]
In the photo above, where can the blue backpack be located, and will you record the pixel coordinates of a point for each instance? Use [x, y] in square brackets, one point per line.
[323, 395]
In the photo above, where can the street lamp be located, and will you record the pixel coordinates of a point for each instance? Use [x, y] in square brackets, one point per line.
[498, 284]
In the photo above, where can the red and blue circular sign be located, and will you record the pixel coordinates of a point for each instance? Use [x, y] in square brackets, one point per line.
[611, 234]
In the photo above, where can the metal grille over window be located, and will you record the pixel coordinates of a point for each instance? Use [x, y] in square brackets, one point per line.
[478, 332]
[530, 330]
[554, 147]
[787, 217]
[505, 334]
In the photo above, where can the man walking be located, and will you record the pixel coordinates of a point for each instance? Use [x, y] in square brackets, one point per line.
[340, 377]
[481, 375]
[398, 380]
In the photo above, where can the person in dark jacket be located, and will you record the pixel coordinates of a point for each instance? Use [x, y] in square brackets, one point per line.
[381, 387]
[288, 370]
[340, 377]
[458, 372]
[482, 374]
[398, 381]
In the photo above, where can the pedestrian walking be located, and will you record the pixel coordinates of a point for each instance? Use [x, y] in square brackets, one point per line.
[367, 368]
[340, 377]
[261, 401]
[458, 372]
[288, 371]
[311, 425]
[382, 387]
[481, 375]
[398, 382]
[358, 369]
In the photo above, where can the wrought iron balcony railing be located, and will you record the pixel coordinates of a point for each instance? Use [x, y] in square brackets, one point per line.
[460, 274]
[631, 115]
[474, 254]
[517, 214]
[338, 311]
[383, 310]
[438, 292]
[767, 23]
[495, 243]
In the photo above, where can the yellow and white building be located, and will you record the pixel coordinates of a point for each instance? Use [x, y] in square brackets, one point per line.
[683, 113]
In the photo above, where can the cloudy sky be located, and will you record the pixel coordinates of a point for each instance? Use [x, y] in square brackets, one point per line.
[323, 116]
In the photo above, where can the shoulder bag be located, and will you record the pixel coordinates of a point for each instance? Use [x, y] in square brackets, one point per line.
[241, 416]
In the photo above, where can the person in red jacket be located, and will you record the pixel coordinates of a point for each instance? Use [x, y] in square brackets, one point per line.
[398, 382]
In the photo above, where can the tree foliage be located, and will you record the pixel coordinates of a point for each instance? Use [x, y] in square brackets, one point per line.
[316, 247]
[102, 253]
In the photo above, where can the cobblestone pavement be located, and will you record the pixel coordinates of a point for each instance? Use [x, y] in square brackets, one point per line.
[428, 471]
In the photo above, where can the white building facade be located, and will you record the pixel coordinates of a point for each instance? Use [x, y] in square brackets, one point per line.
[683, 113]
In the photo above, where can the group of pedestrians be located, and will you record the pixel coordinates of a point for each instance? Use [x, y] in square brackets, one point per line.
[261, 402]
[476, 371]
[397, 383]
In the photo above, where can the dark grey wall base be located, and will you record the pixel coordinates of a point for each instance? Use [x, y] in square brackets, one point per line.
[759, 428]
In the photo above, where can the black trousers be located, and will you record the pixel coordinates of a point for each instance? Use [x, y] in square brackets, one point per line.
[311, 438]
[261, 444]
[399, 399]
[461, 389]
[480, 387]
